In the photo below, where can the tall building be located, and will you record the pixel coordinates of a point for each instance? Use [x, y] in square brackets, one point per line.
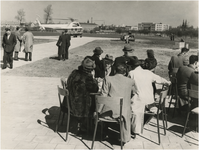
[153, 26]
[159, 27]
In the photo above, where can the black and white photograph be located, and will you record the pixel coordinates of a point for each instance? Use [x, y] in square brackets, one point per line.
[99, 74]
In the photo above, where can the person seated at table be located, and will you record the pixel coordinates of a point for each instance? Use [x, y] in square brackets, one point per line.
[80, 84]
[150, 64]
[97, 58]
[107, 68]
[120, 86]
[143, 97]
[177, 61]
[183, 75]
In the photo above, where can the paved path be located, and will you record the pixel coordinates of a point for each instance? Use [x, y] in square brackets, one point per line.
[44, 50]
[29, 109]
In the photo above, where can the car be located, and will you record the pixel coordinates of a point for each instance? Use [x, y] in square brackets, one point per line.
[127, 38]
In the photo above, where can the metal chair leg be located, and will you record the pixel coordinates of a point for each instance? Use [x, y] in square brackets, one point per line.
[62, 118]
[121, 134]
[57, 124]
[67, 127]
[96, 122]
[163, 119]
[158, 129]
[185, 126]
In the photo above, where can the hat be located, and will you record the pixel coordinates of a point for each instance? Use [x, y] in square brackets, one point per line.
[184, 49]
[108, 57]
[134, 62]
[98, 51]
[88, 63]
[128, 48]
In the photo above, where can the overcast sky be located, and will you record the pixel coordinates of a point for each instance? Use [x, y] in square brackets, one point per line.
[109, 12]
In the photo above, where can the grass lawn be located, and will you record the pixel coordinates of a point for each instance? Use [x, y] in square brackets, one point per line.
[50, 67]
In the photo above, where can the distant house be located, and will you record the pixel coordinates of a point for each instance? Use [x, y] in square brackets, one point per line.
[88, 26]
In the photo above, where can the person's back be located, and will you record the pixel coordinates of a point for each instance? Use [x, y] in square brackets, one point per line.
[183, 76]
[80, 84]
[120, 86]
[179, 60]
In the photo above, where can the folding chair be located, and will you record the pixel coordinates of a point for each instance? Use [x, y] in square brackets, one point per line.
[174, 89]
[110, 107]
[63, 82]
[161, 109]
[63, 109]
[193, 94]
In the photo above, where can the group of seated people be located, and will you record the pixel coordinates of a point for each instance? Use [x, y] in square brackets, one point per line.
[185, 69]
[126, 77]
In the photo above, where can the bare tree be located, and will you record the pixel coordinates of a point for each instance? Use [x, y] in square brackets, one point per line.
[21, 16]
[48, 12]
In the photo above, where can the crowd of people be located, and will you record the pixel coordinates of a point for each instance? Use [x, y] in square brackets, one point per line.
[128, 77]
[125, 76]
[12, 44]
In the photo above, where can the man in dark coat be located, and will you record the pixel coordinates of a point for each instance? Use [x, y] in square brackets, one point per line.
[64, 42]
[8, 43]
[99, 65]
[128, 51]
[183, 75]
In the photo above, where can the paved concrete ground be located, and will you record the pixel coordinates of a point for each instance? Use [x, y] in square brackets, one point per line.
[29, 109]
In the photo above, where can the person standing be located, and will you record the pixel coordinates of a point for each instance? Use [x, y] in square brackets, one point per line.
[64, 42]
[97, 58]
[28, 40]
[18, 45]
[8, 44]
[59, 43]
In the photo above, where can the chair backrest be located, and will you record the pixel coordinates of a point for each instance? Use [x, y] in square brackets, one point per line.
[194, 87]
[64, 93]
[193, 93]
[109, 106]
[163, 95]
[63, 82]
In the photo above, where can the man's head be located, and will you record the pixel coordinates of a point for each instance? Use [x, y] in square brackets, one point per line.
[8, 30]
[98, 51]
[121, 69]
[184, 50]
[193, 60]
[26, 29]
[134, 62]
[66, 30]
[128, 50]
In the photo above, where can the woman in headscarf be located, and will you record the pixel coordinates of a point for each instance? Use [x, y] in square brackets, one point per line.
[80, 84]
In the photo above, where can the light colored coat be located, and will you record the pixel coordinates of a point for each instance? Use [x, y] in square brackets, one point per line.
[143, 94]
[28, 40]
[120, 86]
